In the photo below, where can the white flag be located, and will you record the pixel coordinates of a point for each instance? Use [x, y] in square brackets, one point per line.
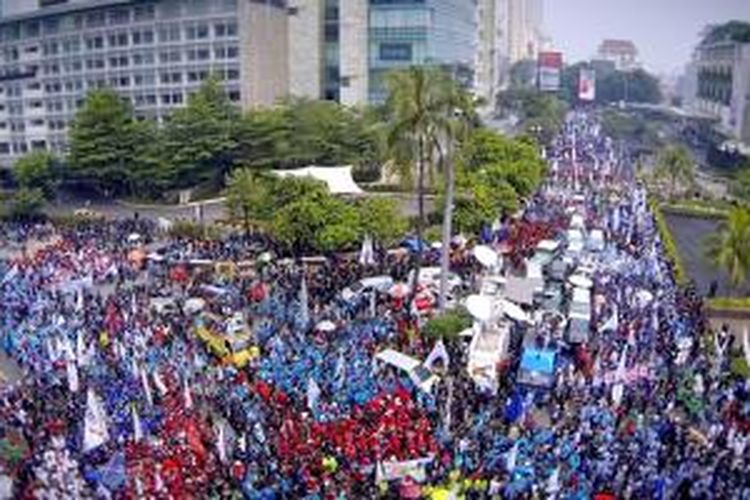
[340, 373]
[79, 300]
[159, 383]
[313, 393]
[95, 431]
[146, 387]
[303, 300]
[619, 387]
[553, 483]
[746, 346]
[510, 461]
[220, 441]
[367, 254]
[81, 350]
[137, 430]
[439, 352]
[72, 374]
[188, 396]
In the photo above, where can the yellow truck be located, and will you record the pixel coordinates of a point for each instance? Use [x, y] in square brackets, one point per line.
[234, 346]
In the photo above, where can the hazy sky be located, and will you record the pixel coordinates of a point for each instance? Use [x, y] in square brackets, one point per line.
[664, 31]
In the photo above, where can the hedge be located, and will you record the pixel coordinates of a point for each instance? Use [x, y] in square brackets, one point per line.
[670, 247]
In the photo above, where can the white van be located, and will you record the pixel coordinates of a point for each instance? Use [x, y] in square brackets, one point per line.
[419, 374]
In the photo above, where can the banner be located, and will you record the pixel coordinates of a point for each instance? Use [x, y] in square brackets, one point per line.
[549, 69]
[415, 469]
[587, 85]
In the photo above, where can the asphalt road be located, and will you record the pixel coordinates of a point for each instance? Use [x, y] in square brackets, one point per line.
[212, 210]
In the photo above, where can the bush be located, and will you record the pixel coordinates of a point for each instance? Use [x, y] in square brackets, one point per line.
[27, 203]
[740, 367]
[670, 247]
[448, 324]
[740, 303]
[188, 229]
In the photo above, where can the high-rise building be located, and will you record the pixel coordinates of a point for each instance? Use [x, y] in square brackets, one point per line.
[525, 34]
[378, 36]
[153, 53]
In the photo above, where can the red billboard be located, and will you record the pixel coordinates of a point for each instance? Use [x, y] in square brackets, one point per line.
[549, 67]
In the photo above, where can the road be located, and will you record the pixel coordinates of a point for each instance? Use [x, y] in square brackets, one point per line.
[213, 210]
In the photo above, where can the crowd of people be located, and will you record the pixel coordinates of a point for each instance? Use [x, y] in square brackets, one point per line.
[120, 397]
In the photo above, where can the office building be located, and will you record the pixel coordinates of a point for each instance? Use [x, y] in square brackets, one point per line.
[525, 37]
[153, 53]
[622, 53]
[722, 85]
[366, 39]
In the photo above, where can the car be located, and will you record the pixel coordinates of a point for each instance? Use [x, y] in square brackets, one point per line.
[422, 377]
[430, 277]
[488, 348]
[378, 283]
[234, 346]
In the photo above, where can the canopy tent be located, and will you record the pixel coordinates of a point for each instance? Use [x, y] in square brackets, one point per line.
[338, 179]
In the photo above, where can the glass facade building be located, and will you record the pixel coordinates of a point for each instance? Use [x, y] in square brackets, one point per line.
[402, 33]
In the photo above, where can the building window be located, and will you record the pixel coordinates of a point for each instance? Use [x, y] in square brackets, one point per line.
[38, 145]
[119, 16]
[233, 74]
[234, 95]
[4, 148]
[143, 13]
[95, 19]
[95, 42]
[395, 52]
[169, 33]
[233, 52]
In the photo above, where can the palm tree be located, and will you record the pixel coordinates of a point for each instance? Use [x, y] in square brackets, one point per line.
[729, 249]
[455, 128]
[417, 103]
[675, 165]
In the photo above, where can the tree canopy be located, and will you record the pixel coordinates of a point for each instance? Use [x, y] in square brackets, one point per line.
[729, 249]
[38, 170]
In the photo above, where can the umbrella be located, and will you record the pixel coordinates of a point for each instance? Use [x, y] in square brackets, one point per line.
[479, 306]
[265, 257]
[325, 326]
[399, 290]
[194, 304]
[485, 255]
[179, 274]
[514, 311]
[580, 281]
[644, 297]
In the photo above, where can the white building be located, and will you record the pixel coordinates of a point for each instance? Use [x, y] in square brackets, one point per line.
[621, 52]
[153, 53]
[723, 86]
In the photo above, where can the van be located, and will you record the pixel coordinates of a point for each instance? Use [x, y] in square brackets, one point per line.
[418, 373]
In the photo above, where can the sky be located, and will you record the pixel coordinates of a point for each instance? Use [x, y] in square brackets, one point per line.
[664, 31]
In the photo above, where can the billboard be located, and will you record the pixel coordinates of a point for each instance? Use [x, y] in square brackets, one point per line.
[549, 69]
[587, 85]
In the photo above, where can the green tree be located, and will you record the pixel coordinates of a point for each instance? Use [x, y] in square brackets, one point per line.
[38, 169]
[676, 167]
[417, 102]
[27, 203]
[729, 248]
[102, 142]
[248, 196]
[380, 218]
[200, 139]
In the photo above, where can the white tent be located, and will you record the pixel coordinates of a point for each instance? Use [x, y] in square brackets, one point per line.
[338, 179]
